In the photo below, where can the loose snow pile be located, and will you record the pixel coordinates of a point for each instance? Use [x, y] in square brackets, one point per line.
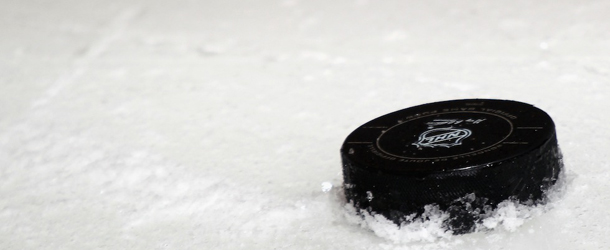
[429, 226]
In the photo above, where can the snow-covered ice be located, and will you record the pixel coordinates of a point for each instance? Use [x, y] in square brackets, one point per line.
[217, 124]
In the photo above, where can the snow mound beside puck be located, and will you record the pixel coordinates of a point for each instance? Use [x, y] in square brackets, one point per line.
[430, 226]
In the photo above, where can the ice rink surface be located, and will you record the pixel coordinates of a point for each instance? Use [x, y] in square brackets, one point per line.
[214, 124]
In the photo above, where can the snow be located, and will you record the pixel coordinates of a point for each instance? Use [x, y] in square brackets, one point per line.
[217, 124]
[508, 216]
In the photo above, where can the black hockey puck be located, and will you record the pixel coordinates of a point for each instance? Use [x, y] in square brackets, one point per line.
[466, 156]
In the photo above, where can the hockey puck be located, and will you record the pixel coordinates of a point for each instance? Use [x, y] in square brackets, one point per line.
[465, 156]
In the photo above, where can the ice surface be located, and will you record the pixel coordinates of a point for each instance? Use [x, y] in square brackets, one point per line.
[214, 124]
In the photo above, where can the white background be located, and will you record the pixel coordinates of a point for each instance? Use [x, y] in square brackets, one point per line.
[212, 124]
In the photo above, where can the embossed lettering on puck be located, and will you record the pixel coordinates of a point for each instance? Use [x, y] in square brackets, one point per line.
[439, 153]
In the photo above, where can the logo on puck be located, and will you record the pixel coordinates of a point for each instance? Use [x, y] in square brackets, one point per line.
[442, 137]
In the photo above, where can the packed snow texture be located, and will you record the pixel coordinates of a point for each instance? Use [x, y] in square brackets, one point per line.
[217, 124]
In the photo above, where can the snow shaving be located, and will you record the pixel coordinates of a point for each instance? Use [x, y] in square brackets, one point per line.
[431, 225]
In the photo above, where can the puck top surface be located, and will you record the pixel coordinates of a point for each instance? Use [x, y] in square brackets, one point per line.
[448, 136]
